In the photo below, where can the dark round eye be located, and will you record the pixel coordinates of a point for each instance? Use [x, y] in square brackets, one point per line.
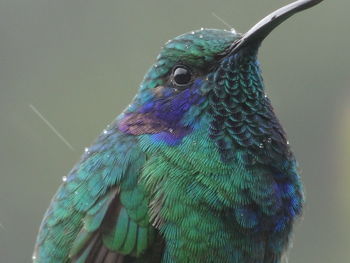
[181, 76]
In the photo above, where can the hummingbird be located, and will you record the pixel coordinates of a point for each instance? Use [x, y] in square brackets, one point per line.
[196, 169]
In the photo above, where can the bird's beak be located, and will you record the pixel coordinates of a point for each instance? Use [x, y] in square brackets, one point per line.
[265, 26]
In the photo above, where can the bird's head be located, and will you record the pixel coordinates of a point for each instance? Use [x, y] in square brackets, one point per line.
[210, 79]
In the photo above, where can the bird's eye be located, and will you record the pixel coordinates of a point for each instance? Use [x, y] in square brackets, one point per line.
[181, 76]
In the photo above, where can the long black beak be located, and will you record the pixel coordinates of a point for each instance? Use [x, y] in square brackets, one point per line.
[265, 26]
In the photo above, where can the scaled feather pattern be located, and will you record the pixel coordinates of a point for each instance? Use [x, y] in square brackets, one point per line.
[200, 172]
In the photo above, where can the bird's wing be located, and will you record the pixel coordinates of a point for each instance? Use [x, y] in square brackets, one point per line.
[100, 212]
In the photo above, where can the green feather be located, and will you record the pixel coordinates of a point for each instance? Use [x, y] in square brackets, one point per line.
[115, 238]
[130, 241]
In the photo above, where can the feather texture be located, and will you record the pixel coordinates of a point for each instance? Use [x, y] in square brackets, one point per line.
[197, 173]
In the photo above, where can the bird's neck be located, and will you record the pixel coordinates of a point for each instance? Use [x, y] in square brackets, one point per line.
[242, 117]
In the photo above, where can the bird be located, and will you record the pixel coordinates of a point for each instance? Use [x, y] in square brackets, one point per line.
[196, 169]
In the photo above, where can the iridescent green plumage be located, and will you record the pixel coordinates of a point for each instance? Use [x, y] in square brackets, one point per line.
[197, 172]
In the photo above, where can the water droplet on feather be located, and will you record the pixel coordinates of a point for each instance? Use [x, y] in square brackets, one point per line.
[233, 31]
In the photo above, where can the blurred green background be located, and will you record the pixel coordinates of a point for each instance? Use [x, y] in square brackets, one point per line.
[79, 62]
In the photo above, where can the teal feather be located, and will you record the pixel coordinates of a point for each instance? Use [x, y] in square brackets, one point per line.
[83, 257]
[116, 237]
[94, 217]
[130, 240]
[190, 172]
[82, 238]
[143, 238]
[80, 206]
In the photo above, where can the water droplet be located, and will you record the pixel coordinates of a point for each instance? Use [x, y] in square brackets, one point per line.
[171, 130]
[200, 36]
[192, 32]
[64, 179]
[105, 131]
[269, 140]
[155, 65]
[33, 257]
[265, 95]
[86, 149]
[261, 145]
[287, 142]
[202, 28]
[233, 31]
